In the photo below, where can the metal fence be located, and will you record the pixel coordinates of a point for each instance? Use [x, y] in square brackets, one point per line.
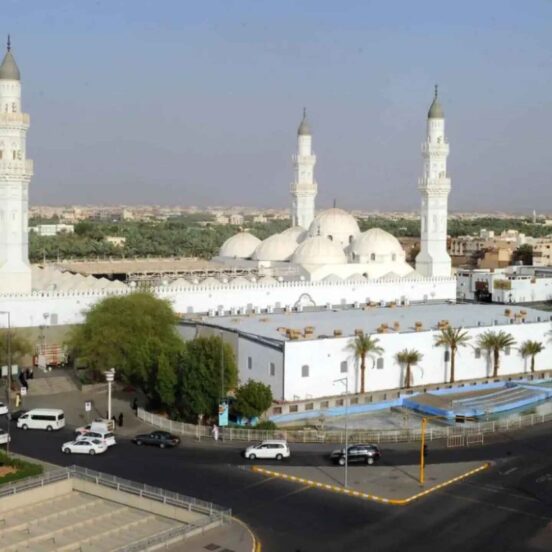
[338, 436]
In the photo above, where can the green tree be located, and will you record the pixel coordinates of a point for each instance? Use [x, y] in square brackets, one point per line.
[253, 398]
[408, 357]
[19, 346]
[362, 346]
[165, 383]
[495, 343]
[523, 254]
[201, 379]
[531, 349]
[452, 338]
[130, 333]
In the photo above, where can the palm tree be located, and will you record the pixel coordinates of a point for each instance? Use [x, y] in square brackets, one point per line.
[410, 357]
[531, 349]
[452, 338]
[496, 342]
[362, 346]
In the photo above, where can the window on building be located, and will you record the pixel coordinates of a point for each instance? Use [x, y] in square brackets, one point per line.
[447, 356]
[305, 371]
[507, 351]
[249, 363]
[272, 369]
[394, 257]
[330, 237]
[478, 353]
[379, 363]
[344, 367]
[372, 256]
[14, 107]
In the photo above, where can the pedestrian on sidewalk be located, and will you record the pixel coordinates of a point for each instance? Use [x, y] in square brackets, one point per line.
[215, 432]
[135, 406]
[121, 419]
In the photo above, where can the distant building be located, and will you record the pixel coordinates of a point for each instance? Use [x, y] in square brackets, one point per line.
[236, 219]
[221, 219]
[542, 252]
[259, 218]
[117, 241]
[52, 229]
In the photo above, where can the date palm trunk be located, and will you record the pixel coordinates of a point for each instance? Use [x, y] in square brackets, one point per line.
[452, 363]
[362, 370]
[496, 364]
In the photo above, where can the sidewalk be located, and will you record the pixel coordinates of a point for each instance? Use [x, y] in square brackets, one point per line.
[388, 484]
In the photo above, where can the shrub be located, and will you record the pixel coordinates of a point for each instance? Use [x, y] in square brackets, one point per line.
[266, 425]
[24, 468]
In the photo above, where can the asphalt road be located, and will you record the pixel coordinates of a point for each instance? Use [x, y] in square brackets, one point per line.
[506, 508]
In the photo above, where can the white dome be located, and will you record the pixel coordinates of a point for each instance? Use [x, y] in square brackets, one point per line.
[239, 246]
[376, 245]
[319, 251]
[335, 224]
[278, 247]
[297, 232]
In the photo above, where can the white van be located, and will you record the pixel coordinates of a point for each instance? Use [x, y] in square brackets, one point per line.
[42, 418]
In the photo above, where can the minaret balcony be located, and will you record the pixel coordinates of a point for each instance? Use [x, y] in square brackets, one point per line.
[15, 118]
[307, 159]
[301, 188]
[16, 168]
[434, 148]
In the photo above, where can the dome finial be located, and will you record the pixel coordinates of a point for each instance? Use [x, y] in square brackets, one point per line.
[436, 90]
[9, 43]
[435, 110]
[304, 127]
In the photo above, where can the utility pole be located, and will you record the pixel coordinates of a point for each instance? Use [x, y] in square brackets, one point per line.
[345, 382]
[8, 378]
[422, 452]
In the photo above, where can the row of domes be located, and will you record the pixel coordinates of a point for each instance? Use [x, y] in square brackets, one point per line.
[333, 238]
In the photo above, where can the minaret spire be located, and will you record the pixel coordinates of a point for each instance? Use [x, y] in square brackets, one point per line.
[9, 43]
[303, 188]
[436, 91]
[433, 259]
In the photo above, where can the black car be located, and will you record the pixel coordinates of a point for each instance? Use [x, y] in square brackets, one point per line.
[160, 439]
[367, 454]
[14, 416]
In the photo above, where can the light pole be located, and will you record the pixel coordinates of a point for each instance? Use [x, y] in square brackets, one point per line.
[345, 382]
[8, 378]
[109, 377]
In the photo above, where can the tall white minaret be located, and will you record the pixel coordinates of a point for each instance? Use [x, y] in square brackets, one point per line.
[304, 187]
[433, 259]
[15, 175]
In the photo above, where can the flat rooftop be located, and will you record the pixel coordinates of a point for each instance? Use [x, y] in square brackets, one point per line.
[324, 322]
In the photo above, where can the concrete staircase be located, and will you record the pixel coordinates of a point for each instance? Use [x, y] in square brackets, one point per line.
[49, 384]
[78, 522]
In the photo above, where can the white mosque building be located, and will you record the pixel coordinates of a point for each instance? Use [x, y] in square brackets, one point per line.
[322, 260]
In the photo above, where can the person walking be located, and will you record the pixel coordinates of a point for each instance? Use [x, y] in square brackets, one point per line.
[215, 432]
[121, 419]
[135, 406]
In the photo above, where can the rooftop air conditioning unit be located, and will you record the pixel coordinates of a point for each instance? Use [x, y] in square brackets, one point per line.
[328, 306]
[270, 309]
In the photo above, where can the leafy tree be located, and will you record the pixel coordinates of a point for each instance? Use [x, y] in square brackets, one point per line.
[253, 398]
[495, 342]
[166, 381]
[19, 346]
[531, 349]
[362, 346]
[452, 338]
[135, 334]
[408, 357]
[201, 379]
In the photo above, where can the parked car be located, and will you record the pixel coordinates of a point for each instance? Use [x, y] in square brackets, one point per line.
[16, 414]
[367, 454]
[84, 446]
[4, 437]
[276, 450]
[99, 425]
[159, 439]
[105, 436]
[42, 418]
[3, 409]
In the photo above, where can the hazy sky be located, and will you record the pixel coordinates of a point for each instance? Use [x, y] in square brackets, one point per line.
[178, 102]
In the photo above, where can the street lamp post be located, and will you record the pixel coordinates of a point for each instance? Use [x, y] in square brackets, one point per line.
[422, 451]
[109, 377]
[345, 382]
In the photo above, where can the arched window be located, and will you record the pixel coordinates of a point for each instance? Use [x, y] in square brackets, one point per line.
[344, 367]
[350, 239]
[394, 257]
[379, 363]
[447, 356]
[330, 237]
[372, 256]
[305, 371]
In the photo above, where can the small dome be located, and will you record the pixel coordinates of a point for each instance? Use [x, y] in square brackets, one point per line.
[304, 127]
[319, 251]
[239, 246]
[298, 233]
[336, 225]
[435, 109]
[9, 69]
[376, 245]
[278, 247]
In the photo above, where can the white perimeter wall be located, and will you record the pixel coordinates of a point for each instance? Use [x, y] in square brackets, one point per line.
[69, 308]
[324, 357]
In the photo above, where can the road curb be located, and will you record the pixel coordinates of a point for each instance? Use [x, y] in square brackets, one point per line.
[256, 542]
[367, 496]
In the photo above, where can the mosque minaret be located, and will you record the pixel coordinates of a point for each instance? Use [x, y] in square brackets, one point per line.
[15, 175]
[433, 259]
[304, 187]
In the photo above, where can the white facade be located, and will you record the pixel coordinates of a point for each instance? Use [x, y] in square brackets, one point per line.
[433, 259]
[304, 187]
[15, 175]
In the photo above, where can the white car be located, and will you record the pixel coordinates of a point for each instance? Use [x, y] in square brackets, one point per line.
[84, 446]
[4, 437]
[276, 450]
[106, 436]
[3, 409]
